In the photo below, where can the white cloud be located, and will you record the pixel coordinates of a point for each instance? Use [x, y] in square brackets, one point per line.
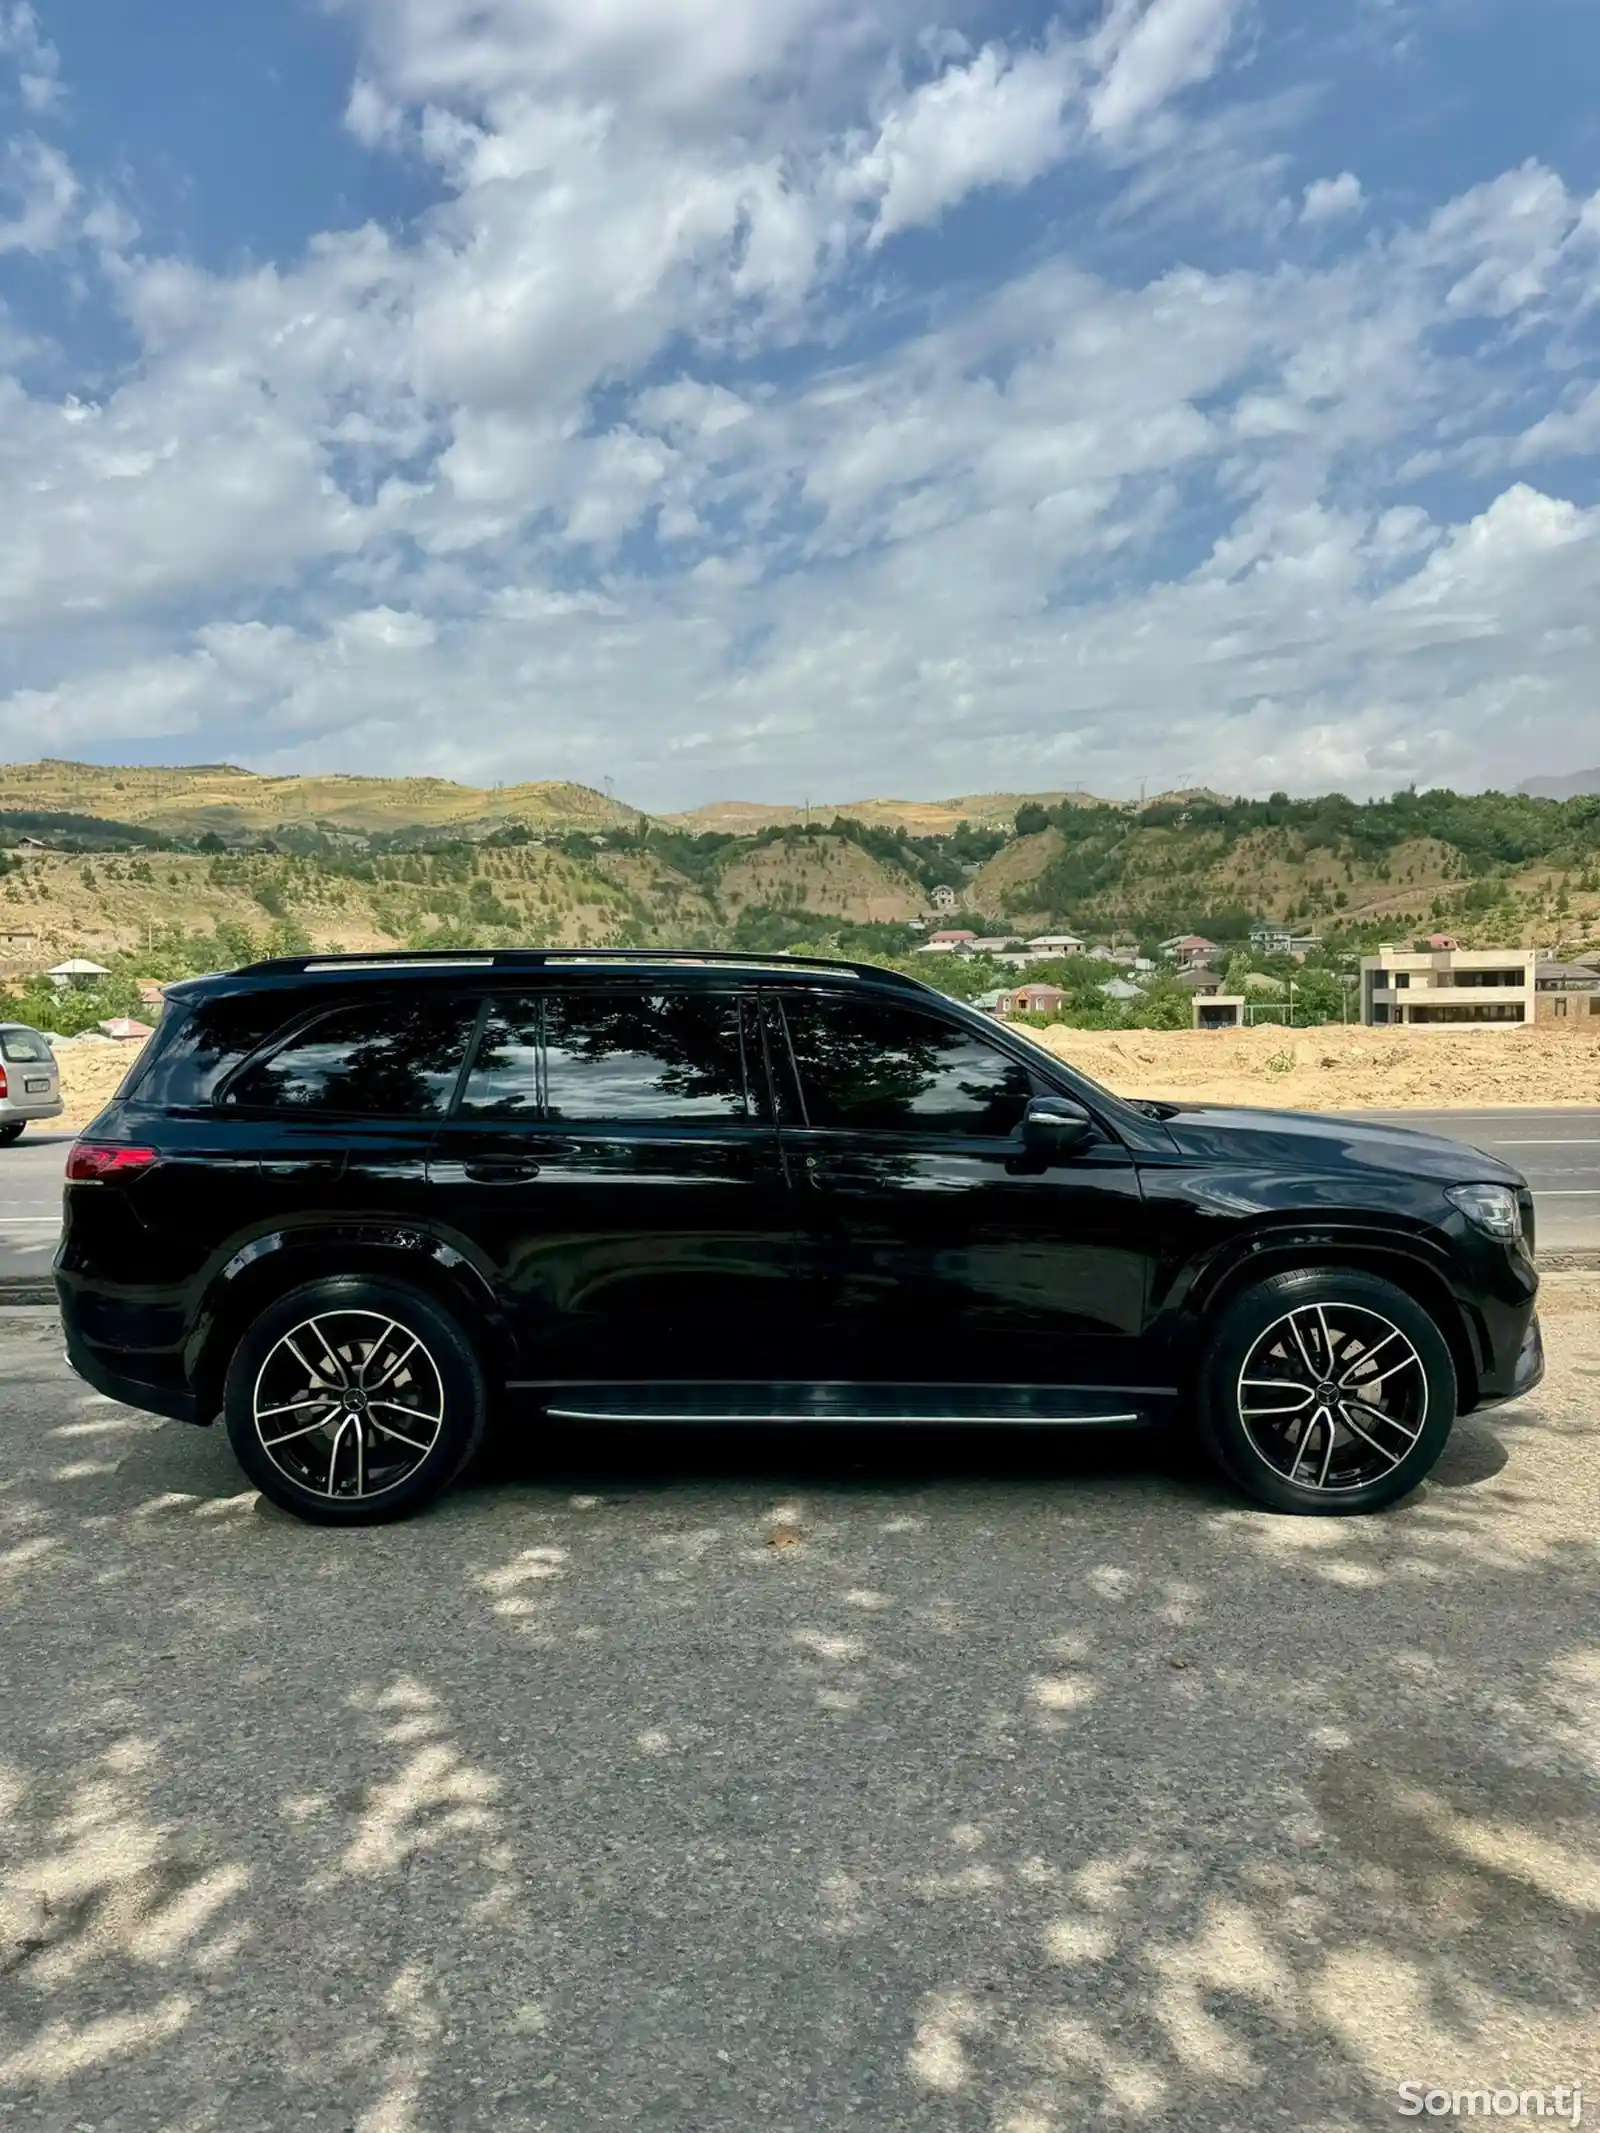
[675, 57]
[1572, 430]
[643, 454]
[1332, 199]
[996, 121]
[38, 197]
[1516, 236]
[1156, 51]
[36, 60]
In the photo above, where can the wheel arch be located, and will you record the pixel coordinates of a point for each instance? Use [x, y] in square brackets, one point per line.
[1216, 1286]
[271, 1266]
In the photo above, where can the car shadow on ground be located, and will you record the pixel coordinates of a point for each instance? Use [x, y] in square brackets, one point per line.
[861, 1456]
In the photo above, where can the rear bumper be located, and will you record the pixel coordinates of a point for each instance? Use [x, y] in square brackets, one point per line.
[29, 1108]
[95, 1370]
[130, 1351]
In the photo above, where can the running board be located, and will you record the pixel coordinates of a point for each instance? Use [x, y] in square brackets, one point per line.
[1054, 1407]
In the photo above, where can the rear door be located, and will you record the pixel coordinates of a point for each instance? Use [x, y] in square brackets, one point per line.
[330, 1118]
[614, 1159]
[935, 1250]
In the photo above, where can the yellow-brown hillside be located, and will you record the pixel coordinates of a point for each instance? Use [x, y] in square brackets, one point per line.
[918, 818]
[1000, 881]
[827, 875]
[221, 797]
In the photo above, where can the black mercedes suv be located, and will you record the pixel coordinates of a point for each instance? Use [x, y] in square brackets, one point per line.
[361, 1208]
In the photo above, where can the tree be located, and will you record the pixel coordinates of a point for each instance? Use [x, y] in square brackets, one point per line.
[1166, 1005]
[1318, 997]
[1031, 819]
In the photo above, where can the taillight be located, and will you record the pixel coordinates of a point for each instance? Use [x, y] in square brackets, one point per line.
[3, 1089]
[92, 1162]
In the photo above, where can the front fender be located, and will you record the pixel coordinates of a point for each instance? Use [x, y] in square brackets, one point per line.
[1419, 1259]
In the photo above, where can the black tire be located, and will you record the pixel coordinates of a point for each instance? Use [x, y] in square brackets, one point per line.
[1319, 1331]
[358, 1464]
[11, 1131]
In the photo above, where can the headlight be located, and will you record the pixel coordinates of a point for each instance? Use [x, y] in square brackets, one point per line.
[1491, 1208]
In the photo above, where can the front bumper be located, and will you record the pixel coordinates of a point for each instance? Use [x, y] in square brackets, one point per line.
[1526, 1370]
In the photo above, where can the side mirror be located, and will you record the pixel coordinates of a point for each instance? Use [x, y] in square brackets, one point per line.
[1055, 1128]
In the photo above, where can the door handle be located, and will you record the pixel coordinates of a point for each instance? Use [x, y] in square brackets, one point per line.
[508, 1170]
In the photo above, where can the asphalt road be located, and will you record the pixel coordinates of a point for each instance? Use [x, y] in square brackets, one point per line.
[1558, 1151]
[955, 1785]
[30, 1203]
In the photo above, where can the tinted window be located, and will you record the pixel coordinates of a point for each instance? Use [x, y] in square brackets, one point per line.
[384, 1059]
[613, 1058]
[644, 1056]
[196, 1047]
[504, 1082]
[870, 1063]
[24, 1047]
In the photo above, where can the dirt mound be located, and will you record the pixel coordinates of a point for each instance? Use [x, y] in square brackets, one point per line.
[1341, 1069]
[91, 1072]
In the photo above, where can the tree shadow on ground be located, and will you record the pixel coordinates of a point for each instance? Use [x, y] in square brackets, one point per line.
[708, 1781]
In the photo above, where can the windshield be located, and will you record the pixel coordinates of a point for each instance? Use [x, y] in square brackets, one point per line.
[24, 1047]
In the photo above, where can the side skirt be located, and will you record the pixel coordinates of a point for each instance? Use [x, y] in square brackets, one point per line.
[1045, 1406]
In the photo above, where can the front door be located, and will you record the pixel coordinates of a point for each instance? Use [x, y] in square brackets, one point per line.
[936, 1250]
[614, 1158]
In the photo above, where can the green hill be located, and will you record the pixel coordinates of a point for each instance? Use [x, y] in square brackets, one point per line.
[167, 866]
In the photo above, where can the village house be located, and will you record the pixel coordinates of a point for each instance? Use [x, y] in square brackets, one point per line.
[76, 971]
[1037, 999]
[1449, 987]
[1188, 951]
[1566, 992]
[1283, 940]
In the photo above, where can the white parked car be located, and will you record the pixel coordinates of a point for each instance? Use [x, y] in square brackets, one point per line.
[30, 1080]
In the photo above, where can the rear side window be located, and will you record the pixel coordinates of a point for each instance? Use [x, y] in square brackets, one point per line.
[382, 1059]
[196, 1047]
[24, 1047]
[873, 1065]
[612, 1058]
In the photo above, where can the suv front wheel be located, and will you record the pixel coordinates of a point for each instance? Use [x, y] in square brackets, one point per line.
[1326, 1391]
[351, 1401]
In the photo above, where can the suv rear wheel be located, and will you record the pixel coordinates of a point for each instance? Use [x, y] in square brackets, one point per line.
[1327, 1391]
[11, 1131]
[351, 1401]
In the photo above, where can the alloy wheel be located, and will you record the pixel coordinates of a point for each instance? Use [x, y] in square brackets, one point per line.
[348, 1404]
[1333, 1396]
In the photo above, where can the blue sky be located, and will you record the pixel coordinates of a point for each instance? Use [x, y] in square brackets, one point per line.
[757, 397]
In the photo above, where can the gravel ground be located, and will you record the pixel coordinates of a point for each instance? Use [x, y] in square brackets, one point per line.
[712, 1785]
